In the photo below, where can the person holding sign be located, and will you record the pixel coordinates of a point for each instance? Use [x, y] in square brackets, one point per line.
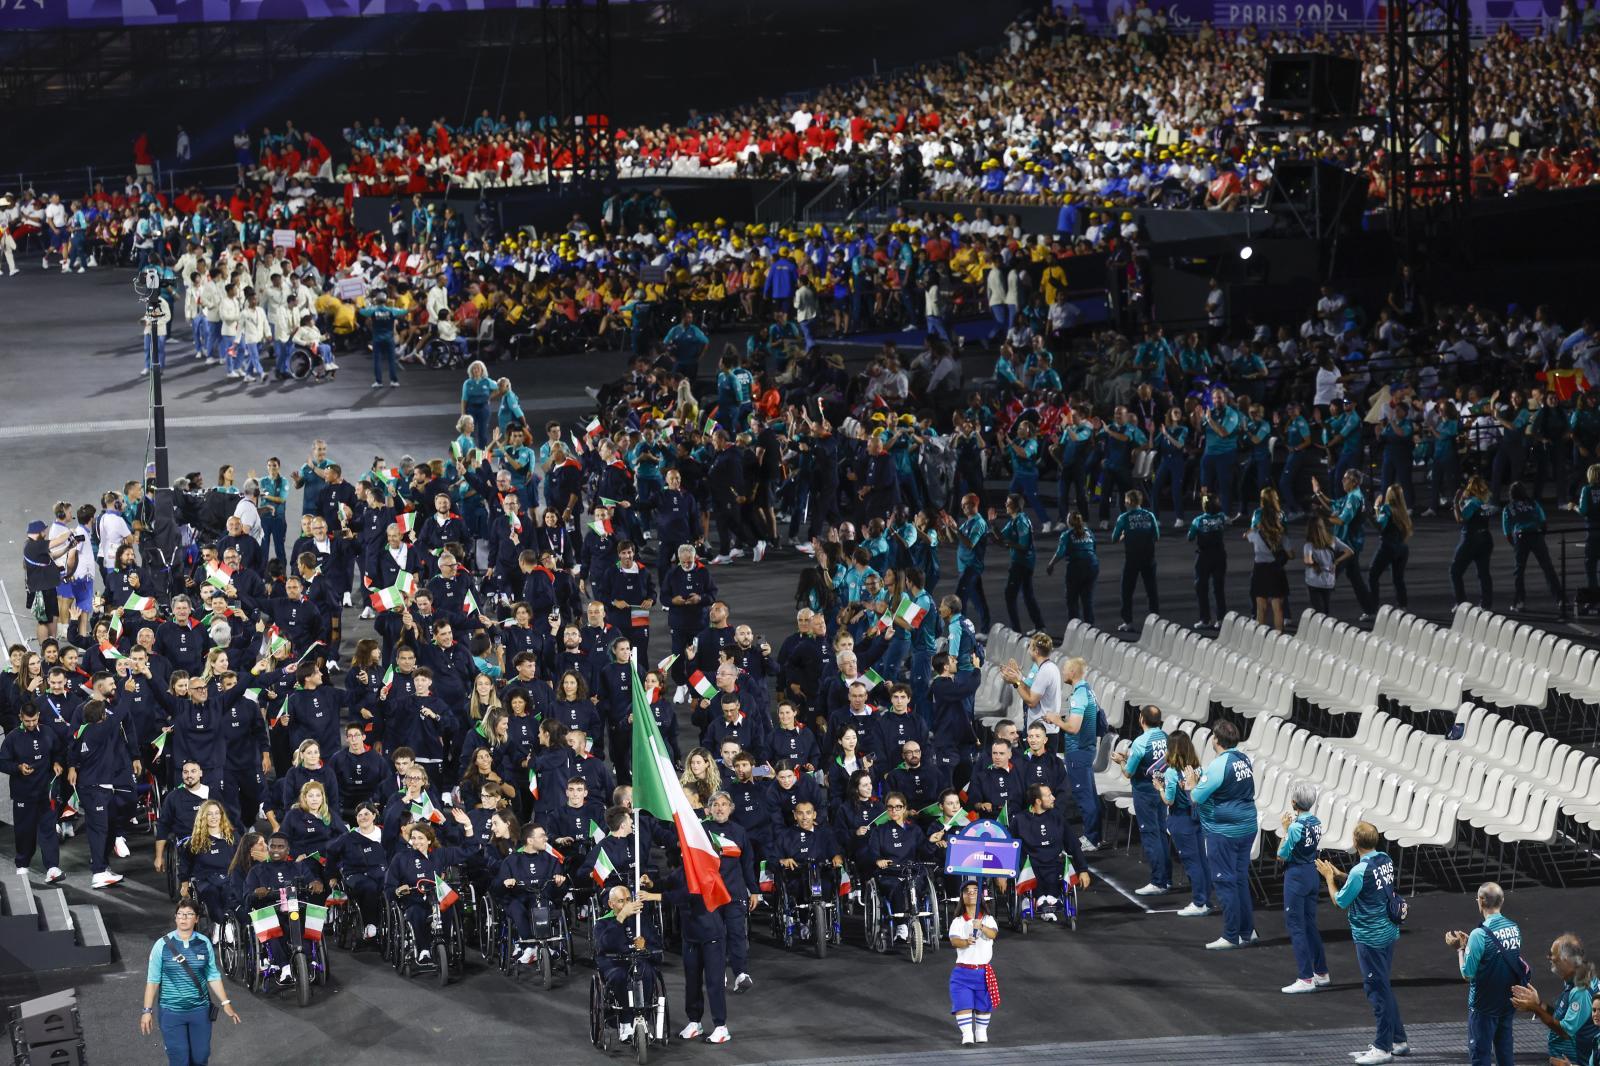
[974, 993]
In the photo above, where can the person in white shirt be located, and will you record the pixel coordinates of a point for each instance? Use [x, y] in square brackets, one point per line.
[254, 330]
[155, 321]
[247, 511]
[211, 312]
[112, 529]
[229, 310]
[973, 989]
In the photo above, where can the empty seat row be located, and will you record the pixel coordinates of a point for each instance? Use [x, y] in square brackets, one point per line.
[1403, 676]
[1320, 677]
[1574, 669]
[1488, 671]
[1180, 693]
[1238, 682]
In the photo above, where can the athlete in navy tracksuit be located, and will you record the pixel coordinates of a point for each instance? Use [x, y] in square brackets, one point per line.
[103, 762]
[738, 868]
[32, 756]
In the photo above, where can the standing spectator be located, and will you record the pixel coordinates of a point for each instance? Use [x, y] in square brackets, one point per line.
[1368, 897]
[1302, 839]
[1570, 1017]
[1225, 795]
[1322, 554]
[1143, 764]
[475, 393]
[1080, 743]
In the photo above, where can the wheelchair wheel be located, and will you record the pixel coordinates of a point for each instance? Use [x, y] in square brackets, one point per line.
[171, 865]
[547, 978]
[914, 921]
[1071, 901]
[597, 1012]
[936, 915]
[352, 926]
[302, 980]
[641, 1041]
[300, 361]
[228, 952]
[821, 929]
[876, 925]
[320, 970]
[441, 959]
[488, 928]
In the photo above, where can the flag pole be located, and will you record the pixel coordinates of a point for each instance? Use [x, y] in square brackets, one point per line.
[638, 855]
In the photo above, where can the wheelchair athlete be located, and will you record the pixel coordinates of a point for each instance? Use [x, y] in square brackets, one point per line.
[531, 877]
[894, 849]
[203, 861]
[615, 942]
[1047, 839]
[274, 879]
[804, 843]
[360, 863]
[412, 875]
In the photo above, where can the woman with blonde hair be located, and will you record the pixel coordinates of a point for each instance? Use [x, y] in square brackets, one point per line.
[311, 825]
[701, 765]
[1476, 543]
[203, 860]
[484, 698]
[1393, 519]
[306, 764]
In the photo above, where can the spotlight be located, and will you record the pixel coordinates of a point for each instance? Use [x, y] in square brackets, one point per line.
[1246, 252]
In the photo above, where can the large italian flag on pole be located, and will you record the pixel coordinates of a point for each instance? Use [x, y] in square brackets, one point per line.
[656, 789]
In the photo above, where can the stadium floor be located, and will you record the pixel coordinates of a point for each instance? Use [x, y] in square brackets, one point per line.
[76, 425]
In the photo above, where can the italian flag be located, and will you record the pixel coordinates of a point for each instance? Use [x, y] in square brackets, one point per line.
[594, 428]
[603, 870]
[390, 599]
[702, 685]
[666, 664]
[910, 612]
[656, 789]
[469, 604]
[139, 603]
[710, 426]
[265, 923]
[407, 522]
[844, 881]
[388, 680]
[447, 895]
[405, 581]
[111, 653]
[1067, 872]
[316, 917]
[873, 679]
[764, 879]
[533, 783]
[160, 744]
[1026, 881]
[882, 818]
[277, 643]
[424, 811]
[727, 847]
[596, 834]
[601, 527]
[219, 575]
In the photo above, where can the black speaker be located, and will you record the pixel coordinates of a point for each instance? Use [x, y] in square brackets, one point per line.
[47, 1031]
[1313, 84]
[1321, 196]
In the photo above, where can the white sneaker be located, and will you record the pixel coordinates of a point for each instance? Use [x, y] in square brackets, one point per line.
[680, 694]
[902, 933]
[285, 975]
[227, 934]
[720, 560]
[1372, 1057]
[625, 1033]
[1087, 846]
[692, 1031]
[966, 1036]
[91, 261]
[1177, 523]
[347, 599]
[394, 384]
[120, 846]
[330, 366]
[719, 1035]
[104, 879]
[52, 875]
[1401, 1048]
[736, 553]
[1222, 943]
[742, 982]
[806, 548]
[982, 1036]
[1048, 916]
[424, 956]
[1193, 910]
[376, 385]
[761, 550]
[1149, 890]
[366, 612]
[370, 931]
[145, 372]
[527, 956]
[1299, 986]
[66, 831]
[80, 270]
[1322, 980]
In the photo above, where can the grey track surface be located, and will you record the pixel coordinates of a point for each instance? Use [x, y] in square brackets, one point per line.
[1127, 987]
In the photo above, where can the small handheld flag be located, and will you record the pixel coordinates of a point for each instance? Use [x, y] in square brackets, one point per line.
[603, 869]
[316, 917]
[764, 876]
[139, 603]
[1027, 881]
[390, 599]
[447, 895]
[702, 685]
[601, 527]
[910, 612]
[533, 782]
[265, 923]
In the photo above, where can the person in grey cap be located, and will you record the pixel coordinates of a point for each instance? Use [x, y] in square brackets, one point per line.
[42, 575]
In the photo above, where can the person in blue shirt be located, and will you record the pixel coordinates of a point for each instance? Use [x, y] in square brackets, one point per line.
[1445, 471]
[1144, 764]
[1171, 442]
[1297, 442]
[1022, 448]
[1076, 546]
[1490, 959]
[1225, 795]
[1347, 521]
[1302, 842]
[475, 393]
[1344, 435]
[1523, 523]
[1017, 535]
[1140, 530]
[1476, 543]
[1183, 825]
[1119, 439]
[1393, 520]
[1589, 508]
[1223, 424]
[1570, 1016]
[1208, 531]
[381, 316]
[1397, 433]
[1080, 741]
[971, 535]
[1368, 888]
[1256, 452]
[1072, 457]
[185, 1000]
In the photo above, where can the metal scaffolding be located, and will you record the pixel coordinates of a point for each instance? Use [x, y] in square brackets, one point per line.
[576, 35]
[1429, 151]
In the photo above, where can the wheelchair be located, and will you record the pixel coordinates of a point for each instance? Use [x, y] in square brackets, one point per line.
[147, 796]
[447, 948]
[921, 916]
[812, 914]
[243, 960]
[171, 865]
[304, 363]
[551, 942]
[643, 1019]
[1023, 907]
[442, 355]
